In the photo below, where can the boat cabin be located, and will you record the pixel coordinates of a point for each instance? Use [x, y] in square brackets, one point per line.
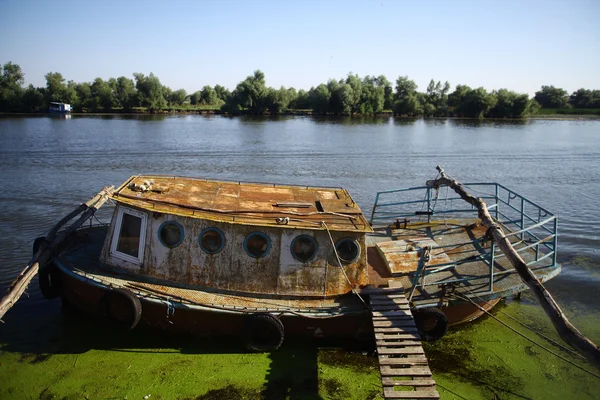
[55, 107]
[243, 237]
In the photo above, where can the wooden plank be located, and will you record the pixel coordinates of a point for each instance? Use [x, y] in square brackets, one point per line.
[405, 350]
[413, 360]
[401, 324]
[391, 381]
[385, 322]
[396, 335]
[390, 393]
[388, 370]
[390, 313]
[390, 307]
[392, 342]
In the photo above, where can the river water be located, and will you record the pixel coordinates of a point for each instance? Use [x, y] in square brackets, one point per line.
[50, 165]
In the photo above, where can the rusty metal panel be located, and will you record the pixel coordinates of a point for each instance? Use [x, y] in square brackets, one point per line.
[245, 203]
[233, 269]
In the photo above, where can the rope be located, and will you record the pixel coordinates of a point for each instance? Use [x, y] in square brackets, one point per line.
[533, 330]
[525, 337]
[342, 267]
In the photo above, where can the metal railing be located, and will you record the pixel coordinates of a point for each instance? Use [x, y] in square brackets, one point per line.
[530, 227]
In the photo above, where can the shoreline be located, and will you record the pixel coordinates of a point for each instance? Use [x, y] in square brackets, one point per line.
[558, 117]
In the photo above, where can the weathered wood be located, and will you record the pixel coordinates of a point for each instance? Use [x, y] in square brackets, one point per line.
[387, 370]
[406, 350]
[396, 343]
[388, 307]
[391, 381]
[45, 253]
[565, 329]
[390, 393]
[413, 360]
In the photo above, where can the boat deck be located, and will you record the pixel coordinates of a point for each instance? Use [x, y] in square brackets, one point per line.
[457, 243]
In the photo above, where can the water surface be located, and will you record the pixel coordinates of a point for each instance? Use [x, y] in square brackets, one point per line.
[49, 165]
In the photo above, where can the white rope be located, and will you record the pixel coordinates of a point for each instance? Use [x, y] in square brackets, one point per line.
[342, 267]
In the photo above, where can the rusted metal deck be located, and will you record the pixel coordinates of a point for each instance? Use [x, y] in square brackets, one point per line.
[405, 373]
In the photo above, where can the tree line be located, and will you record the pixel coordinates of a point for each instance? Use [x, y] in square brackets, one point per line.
[351, 95]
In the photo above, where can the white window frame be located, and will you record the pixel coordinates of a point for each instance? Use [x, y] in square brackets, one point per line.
[117, 233]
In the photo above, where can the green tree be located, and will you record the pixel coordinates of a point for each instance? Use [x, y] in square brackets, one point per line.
[150, 91]
[251, 93]
[222, 92]
[584, 98]
[209, 96]
[58, 90]
[319, 99]
[278, 100]
[84, 96]
[406, 100]
[436, 100]
[372, 98]
[510, 104]
[388, 91]
[551, 97]
[33, 99]
[178, 97]
[351, 94]
[124, 93]
[302, 101]
[102, 95]
[476, 103]
[11, 89]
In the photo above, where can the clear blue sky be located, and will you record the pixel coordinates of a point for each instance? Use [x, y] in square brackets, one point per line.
[519, 45]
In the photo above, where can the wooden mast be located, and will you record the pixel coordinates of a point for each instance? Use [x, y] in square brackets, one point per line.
[54, 238]
[565, 329]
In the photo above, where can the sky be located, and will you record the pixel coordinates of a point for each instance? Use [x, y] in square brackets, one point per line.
[515, 44]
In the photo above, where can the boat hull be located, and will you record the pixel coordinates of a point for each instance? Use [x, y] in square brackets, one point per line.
[176, 316]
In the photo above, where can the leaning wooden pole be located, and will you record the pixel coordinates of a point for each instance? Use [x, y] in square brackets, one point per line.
[565, 329]
[45, 252]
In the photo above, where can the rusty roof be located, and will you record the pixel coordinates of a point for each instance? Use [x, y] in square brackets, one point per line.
[245, 203]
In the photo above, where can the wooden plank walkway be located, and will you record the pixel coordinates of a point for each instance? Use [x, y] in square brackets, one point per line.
[405, 373]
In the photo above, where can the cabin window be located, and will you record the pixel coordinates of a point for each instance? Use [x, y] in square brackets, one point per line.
[212, 240]
[129, 236]
[348, 250]
[257, 245]
[170, 234]
[304, 248]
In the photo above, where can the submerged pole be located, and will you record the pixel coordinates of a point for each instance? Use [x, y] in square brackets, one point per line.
[565, 329]
[45, 252]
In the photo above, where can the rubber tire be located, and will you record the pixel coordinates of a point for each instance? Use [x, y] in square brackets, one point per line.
[121, 308]
[431, 333]
[263, 333]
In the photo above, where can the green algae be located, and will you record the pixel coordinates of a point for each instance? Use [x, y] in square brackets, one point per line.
[54, 356]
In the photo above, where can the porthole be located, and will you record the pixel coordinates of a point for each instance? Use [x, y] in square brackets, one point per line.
[170, 234]
[211, 240]
[257, 245]
[304, 248]
[348, 250]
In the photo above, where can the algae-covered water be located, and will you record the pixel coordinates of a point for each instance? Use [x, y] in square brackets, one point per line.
[47, 166]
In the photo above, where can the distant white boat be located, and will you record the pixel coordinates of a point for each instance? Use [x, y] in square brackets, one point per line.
[60, 108]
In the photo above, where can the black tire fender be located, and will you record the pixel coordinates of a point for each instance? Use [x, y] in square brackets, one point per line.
[263, 332]
[121, 308]
[431, 322]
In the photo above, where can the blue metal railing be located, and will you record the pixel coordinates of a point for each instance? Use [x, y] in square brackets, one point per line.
[534, 227]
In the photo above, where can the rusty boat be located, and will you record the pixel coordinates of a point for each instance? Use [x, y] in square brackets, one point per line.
[264, 260]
